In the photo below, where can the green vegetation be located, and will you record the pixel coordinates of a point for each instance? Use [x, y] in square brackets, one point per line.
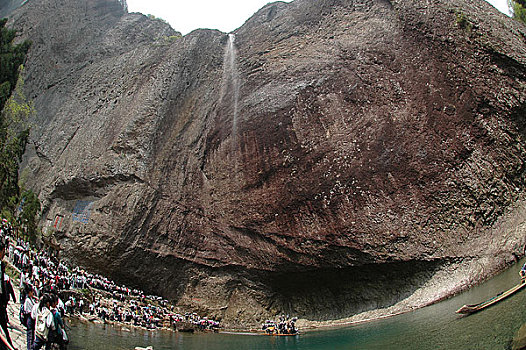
[171, 39]
[30, 206]
[11, 57]
[518, 9]
[463, 22]
[150, 16]
[19, 206]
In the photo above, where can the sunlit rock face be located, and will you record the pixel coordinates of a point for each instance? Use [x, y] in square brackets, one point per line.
[330, 157]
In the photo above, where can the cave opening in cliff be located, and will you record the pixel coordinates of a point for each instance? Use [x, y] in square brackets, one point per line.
[335, 293]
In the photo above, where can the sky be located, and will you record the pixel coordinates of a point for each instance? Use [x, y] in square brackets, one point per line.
[225, 15]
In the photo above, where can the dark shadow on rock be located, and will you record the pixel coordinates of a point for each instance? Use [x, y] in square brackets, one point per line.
[330, 294]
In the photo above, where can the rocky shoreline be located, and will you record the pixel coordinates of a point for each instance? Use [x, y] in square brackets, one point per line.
[421, 296]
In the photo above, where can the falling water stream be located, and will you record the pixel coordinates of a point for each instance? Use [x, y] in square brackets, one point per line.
[433, 327]
[229, 95]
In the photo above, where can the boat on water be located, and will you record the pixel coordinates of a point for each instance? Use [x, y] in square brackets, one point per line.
[274, 334]
[277, 332]
[469, 309]
[284, 328]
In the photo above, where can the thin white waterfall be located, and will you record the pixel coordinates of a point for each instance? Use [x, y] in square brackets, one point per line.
[230, 82]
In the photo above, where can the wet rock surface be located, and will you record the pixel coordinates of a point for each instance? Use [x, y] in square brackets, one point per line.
[362, 155]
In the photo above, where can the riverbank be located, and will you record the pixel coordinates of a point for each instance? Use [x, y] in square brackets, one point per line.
[93, 295]
[444, 284]
[431, 292]
[140, 336]
[457, 274]
[434, 327]
[452, 279]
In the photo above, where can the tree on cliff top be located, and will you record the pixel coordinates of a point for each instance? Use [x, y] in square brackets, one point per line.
[14, 129]
[14, 134]
[11, 57]
[518, 9]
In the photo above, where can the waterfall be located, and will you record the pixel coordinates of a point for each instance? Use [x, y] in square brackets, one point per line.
[230, 82]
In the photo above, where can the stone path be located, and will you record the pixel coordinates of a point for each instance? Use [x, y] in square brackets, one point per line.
[16, 330]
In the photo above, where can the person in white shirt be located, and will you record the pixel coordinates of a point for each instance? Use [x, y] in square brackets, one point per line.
[60, 307]
[25, 260]
[35, 272]
[43, 322]
[29, 303]
[24, 281]
[23, 278]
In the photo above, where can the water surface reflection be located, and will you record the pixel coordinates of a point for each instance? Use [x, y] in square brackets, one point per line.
[434, 327]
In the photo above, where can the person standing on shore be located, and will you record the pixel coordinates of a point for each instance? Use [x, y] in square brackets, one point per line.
[24, 281]
[58, 334]
[43, 323]
[29, 303]
[4, 295]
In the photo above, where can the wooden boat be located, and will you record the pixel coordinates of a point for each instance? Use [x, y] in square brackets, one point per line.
[469, 309]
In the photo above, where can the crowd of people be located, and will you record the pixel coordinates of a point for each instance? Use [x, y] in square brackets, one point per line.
[41, 310]
[284, 326]
[51, 289]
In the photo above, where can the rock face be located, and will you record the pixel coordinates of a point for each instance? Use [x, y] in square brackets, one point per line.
[330, 158]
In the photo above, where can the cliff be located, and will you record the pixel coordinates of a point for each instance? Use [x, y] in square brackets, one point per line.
[331, 158]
